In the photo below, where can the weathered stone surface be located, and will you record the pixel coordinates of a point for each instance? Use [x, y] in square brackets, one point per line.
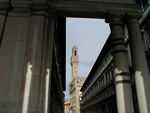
[12, 64]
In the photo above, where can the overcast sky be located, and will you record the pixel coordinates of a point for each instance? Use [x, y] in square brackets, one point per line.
[89, 35]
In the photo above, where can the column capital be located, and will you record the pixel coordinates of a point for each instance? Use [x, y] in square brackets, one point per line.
[114, 19]
[132, 18]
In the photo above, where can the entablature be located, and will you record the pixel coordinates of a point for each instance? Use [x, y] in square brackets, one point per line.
[73, 8]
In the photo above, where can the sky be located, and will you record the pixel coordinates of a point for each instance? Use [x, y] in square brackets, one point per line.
[89, 35]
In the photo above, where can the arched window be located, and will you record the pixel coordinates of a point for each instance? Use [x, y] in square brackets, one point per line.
[75, 53]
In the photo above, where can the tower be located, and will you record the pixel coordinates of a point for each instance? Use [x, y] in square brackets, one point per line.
[74, 61]
[76, 83]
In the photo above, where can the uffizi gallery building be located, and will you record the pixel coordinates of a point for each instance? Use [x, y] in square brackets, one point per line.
[33, 56]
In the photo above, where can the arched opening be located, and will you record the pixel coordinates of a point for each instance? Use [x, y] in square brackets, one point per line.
[75, 53]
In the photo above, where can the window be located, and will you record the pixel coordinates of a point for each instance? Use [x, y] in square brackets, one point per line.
[105, 79]
[112, 73]
[108, 75]
[102, 82]
[75, 53]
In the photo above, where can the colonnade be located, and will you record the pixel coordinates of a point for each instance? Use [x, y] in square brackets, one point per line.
[106, 106]
[26, 54]
[122, 75]
[124, 96]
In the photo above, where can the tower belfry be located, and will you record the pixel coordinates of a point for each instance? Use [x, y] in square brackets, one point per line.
[74, 61]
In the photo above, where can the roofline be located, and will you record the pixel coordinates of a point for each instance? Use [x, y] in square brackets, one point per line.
[105, 48]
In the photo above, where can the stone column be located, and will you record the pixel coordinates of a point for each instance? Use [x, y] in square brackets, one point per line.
[12, 61]
[122, 77]
[142, 77]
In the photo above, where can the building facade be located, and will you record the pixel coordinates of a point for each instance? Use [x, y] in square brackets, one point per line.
[98, 91]
[67, 107]
[103, 82]
[145, 27]
[76, 83]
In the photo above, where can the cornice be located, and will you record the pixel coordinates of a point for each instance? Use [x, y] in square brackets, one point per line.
[70, 8]
[93, 9]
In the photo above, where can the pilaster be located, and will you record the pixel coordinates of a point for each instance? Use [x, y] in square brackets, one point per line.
[12, 63]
